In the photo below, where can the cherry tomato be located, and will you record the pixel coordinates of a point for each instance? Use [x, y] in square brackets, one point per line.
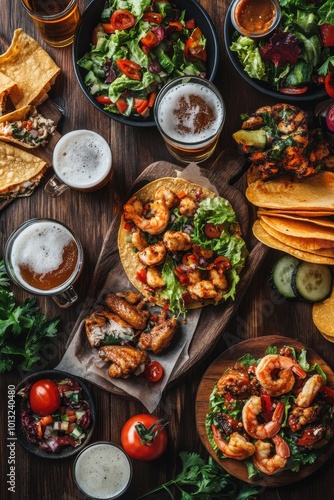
[122, 19]
[327, 34]
[153, 371]
[130, 68]
[329, 84]
[44, 397]
[144, 437]
[152, 17]
[103, 99]
[213, 230]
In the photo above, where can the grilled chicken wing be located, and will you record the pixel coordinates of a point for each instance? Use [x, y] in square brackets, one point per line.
[103, 322]
[125, 360]
[159, 337]
[128, 312]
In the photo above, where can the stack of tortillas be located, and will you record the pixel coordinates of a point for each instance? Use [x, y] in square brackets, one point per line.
[296, 216]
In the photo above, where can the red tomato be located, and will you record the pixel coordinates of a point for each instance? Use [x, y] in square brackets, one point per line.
[329, 84]
[153, 371]
[44, 397]
[130, 68]
[193, 48]
[141, 276]
[213, 230]
[103, 99]
[149, 40]
[152, 17]
[121, 105]
[122, 19]
[294, 90]
[144, 437]
[327, 34]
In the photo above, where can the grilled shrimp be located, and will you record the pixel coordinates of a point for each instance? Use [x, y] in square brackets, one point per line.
[166, 195]
[250, 412]
[176, 241]
[309, 391]
[267, 463]
[154, 277]
[138, 240]
[187, 206]
[289, 118]
[234, 381]
[204, 289]
[153, 254]
[159, 215]
[275, 374]
[237, 447]
[303, 416]
[218, 278]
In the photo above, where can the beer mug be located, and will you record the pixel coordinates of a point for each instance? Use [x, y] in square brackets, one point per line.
[44, 257]
[189, 112]
[82, 161]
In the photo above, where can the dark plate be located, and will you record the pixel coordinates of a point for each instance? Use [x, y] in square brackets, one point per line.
[90, 19]
[312, 95]
[65, 451]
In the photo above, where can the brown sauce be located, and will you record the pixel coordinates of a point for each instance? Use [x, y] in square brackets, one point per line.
[255, 16]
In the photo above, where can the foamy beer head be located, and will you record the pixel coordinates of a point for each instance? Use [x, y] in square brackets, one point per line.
[190, 114]
[43, 256]
[82, 160]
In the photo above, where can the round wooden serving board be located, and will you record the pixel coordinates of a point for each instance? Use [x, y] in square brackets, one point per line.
[257, 348]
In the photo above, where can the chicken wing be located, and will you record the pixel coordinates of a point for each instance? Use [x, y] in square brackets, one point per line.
[128, 312]
[103, 322]
[125, 360]
[159, 337]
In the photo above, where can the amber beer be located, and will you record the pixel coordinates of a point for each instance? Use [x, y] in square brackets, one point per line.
[190, 114]
[56, 20]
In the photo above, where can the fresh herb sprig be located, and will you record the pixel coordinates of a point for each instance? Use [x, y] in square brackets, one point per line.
[204, 481]
[23, 329]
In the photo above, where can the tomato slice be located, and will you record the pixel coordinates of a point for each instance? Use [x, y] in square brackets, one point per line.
[140, 105]
[327, 34]
[103, 99]
[149, 40]
[129, 68]
[190, 24]
[329, 84]
[213, 230]
[121, 105]
[153, 371]
[141, 276]
[294, 90]
[189, 259]
[122, 19]
[176, 24]
[193, 48]
[152, 17]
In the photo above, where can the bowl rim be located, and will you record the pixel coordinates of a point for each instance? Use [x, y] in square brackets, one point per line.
[228, 26]
[19, 433]
[120, 118]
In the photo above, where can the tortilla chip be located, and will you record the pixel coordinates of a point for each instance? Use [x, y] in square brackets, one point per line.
[323, 317]
[262, 235]
[311, 193]
[30, 66]
[317, 217]
[302, 229]
[7, 87]
[20, 171]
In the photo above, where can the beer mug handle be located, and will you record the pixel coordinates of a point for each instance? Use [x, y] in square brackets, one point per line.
[66, 297]
[54, 187]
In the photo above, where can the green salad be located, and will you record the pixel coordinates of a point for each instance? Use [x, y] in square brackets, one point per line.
[298, 55]
[273, 413]
[137, 47]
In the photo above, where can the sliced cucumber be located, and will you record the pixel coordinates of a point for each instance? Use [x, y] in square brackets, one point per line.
[312, 282]
[282, 273]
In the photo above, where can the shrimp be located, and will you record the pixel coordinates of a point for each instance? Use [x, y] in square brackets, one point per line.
[234, 381]
[154, 278]
[289, 118]
[187, 206]
[265, 461]
[176, 241]
[250, 412]
[275, 374]
[138, 240]
[237, 447]
[153, 254]
[202, 290]
[159, 211]
[309, 391]
[167, 195]
[303, 416]
[219, 279]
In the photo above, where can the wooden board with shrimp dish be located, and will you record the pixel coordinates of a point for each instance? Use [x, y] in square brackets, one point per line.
[279, 410]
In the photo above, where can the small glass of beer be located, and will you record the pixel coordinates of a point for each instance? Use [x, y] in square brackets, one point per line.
[82, 161]
[56, 20]
[189, 112]
[44, 257]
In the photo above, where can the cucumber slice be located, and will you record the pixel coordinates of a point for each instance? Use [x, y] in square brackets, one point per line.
[312, 282]
[282, 273]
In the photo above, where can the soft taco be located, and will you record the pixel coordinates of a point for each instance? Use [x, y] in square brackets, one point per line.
[26, 127]
[20, 171]
[180, 245]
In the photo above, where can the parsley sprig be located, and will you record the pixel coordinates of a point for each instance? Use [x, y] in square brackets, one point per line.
[23, 329]
[204, 481]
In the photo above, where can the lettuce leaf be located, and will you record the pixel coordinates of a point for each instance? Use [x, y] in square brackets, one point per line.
[250, 57]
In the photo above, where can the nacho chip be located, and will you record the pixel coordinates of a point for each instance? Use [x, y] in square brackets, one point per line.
[7, 87]
[302, 229]
[262, 235]
[311, 193]
[20, 171]
[30, 67]
[323, 317]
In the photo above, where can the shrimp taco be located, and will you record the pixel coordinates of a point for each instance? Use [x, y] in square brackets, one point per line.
[26, 127]
[180, 245]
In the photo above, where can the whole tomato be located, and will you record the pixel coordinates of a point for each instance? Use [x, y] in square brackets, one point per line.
[44, 397]
[144, 437]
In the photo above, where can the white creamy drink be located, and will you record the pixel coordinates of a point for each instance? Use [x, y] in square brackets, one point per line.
[102, 471]
[82, 160]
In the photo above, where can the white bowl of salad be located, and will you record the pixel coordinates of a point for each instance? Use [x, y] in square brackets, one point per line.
[123, 56]
[55, 414]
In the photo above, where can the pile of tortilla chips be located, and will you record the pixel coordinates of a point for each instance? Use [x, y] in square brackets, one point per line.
[26, 75]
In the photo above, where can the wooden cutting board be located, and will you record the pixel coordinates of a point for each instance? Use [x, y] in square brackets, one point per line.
[213, 320]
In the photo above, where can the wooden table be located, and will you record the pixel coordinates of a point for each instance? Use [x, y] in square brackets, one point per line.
[90, 215]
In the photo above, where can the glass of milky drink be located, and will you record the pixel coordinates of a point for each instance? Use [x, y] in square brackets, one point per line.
[189, 112]
[102, 470]
[44, 257]
[82, 161]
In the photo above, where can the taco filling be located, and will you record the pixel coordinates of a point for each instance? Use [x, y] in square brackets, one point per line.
[181, 245]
